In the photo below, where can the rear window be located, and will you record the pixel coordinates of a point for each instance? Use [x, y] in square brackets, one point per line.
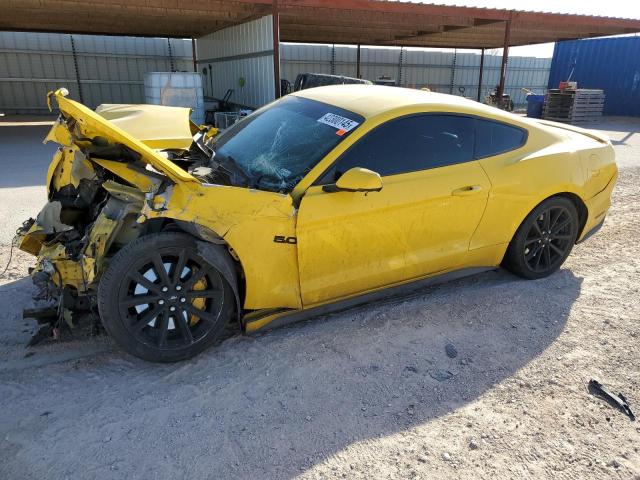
[494, 138]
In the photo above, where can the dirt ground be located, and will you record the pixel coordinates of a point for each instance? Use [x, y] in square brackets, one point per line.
[368, 393]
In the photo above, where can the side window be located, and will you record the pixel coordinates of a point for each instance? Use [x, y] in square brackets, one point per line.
[408, 144]
[494, 138]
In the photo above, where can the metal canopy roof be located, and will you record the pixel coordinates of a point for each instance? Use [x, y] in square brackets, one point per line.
[368, 22]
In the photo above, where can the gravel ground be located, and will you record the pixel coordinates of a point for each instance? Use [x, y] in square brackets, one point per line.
[368, 393]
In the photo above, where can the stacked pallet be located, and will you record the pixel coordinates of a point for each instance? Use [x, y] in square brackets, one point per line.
[573, 106]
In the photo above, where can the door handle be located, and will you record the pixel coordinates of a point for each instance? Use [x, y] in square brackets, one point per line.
[468, 190]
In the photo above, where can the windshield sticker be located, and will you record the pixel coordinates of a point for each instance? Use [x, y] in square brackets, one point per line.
[343, 124]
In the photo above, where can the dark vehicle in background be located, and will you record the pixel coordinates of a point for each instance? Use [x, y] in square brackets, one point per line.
[384, 80]
[311, 80]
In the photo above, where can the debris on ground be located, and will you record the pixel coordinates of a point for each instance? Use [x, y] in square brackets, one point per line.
[618, 401]
[295, 394]
[441, 375]
[451, 350]
[43, 333]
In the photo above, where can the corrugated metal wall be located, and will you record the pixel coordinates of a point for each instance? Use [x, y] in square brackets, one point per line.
[419, 68]
[241, 52]
[611, 64]
[111, 69]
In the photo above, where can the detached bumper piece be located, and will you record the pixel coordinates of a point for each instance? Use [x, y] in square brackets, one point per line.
[618, 401]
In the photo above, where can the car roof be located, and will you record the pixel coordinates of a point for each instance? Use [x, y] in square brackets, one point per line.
[372, 100]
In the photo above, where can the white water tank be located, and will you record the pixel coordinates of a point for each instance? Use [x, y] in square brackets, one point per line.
[176, 89]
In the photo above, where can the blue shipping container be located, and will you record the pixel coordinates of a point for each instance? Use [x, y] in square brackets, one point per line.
[612, 64]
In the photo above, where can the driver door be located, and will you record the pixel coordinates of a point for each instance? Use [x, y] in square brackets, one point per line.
[420, 222]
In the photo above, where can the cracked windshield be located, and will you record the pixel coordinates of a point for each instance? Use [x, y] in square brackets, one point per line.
[276, 147]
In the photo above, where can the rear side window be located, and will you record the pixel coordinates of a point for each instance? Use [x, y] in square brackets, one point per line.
[494, 138]
[410, 144]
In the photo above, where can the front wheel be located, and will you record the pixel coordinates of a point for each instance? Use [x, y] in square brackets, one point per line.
[544, 239]
[161, 301]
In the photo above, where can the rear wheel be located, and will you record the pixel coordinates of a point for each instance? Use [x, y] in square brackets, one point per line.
[544, 240]
[161, 301]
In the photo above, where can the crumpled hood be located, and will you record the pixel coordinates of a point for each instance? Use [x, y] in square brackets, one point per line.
[91, 124]
[156, 126]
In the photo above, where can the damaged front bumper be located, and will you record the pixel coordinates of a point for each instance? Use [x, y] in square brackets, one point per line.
[75, 259]
[70, 262]
[98, 183]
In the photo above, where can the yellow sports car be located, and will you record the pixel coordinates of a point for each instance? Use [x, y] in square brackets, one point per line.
[324, 199]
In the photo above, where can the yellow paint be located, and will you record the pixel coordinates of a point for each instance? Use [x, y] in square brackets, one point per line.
[256, 322]
[198, 302]
[248, 220]
[350, 242]
[359, 180]
[212, 132]
[156, 126]
[59, 134]
[31, 241]
[51, 171]
[81, 273]
[101, 232]
[598, 205]
[90, 125]
[390, 231]
[143, 182]
[68, 167]
[67, 272]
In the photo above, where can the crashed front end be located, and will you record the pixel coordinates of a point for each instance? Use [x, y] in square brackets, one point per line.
[100, 180]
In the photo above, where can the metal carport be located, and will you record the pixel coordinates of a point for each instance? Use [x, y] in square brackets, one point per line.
[355, 22]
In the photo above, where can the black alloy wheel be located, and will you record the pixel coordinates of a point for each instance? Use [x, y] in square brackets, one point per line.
[549, 239]
[161, 301]
[172, 300]
[544, 240]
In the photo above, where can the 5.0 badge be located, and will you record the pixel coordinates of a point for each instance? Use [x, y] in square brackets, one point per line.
[283, 239]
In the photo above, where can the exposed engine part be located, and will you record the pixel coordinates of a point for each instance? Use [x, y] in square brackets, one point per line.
[116, 152]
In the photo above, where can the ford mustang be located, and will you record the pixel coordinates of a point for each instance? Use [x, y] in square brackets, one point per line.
[329, 197]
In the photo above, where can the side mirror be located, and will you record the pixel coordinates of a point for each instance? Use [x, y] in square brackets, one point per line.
[356, 179]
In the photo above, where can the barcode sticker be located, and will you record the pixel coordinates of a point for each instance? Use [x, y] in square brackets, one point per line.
[336, 121]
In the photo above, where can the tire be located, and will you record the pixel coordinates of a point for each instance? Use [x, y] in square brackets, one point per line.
[544, 240]
[161, 301]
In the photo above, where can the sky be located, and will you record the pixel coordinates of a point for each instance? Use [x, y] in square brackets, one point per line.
[608, 8]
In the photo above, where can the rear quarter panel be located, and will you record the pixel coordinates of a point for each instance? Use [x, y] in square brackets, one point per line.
[601, 173]
[548, 164]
